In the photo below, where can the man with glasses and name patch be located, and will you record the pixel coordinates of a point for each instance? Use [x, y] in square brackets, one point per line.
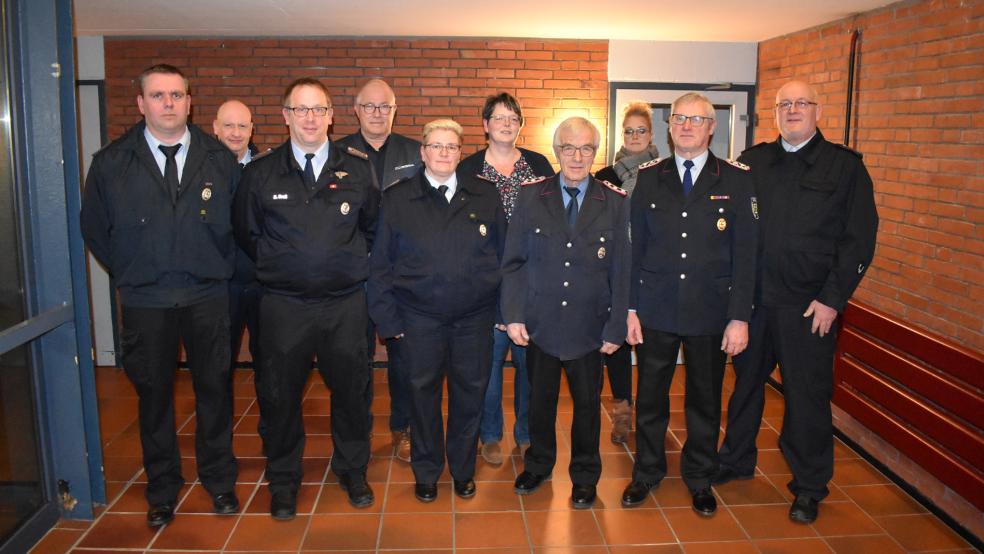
[394, 157]
[817, 239]
[155, 213]
[693, 273]
[306, 212]
[564, 296]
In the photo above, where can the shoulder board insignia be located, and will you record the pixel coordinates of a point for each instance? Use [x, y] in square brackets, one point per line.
[618, 190]
[356, 152]
[260, 156]
[848, 148]
[534, 181]
[650, 163]
[739, 165]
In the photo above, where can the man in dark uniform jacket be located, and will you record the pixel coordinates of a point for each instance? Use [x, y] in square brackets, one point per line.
[693, 271]
[155, 212]
[307, 212]
[818, 230]
[434, 288]
[233, 126]
[564, 295]
[394, 158]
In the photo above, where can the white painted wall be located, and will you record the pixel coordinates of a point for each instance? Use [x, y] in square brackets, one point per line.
[682, 62]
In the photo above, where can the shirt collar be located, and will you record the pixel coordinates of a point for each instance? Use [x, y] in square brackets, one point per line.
[452, 183]
[581, 185]
[319, 159]
[153, 142]
[791, 148]
[699, 162]
[247, 157]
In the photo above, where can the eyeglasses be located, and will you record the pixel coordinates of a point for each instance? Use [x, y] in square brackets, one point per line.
[301, 111]
[436, 147]
[514, 119]
[569, 150]
[384, 109]
[785, 105]
[695, 120]
[176, 96]
[630, 132]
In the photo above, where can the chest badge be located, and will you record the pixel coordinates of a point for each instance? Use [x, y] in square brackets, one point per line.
[601, 253]
[345, 208]
[483, 230]
[722, 224]
[341, 174]
[206, 194]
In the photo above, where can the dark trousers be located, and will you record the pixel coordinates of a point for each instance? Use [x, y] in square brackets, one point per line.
[806, 360]
[702, 406]
[244, 313]
[584, 381]
[396, 381]
[430, 351]
[149, 344]
[292, 333]
[620, 373]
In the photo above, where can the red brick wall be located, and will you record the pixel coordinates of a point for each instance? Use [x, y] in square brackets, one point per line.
[919, 121]
[432, 78]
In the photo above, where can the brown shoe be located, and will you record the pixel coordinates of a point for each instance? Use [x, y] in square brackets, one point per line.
[621, 422]
[492, 452]
[401, 445]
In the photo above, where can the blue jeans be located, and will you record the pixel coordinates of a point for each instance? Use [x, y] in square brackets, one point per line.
[491, 426]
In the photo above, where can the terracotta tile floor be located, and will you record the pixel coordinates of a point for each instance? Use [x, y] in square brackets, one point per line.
[864, 513]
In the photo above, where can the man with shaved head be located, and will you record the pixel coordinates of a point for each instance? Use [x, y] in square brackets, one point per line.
[816, 239]
[233, 126]
[394, 158]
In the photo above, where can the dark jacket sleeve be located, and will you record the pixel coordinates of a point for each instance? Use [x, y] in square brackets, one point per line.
[512, 295]
[247, 212]
[638, 237]
[615, 329]
[744, 250]
[501, 228]
[94, 219]
[383, 306]
[369, 214]
[856, 246]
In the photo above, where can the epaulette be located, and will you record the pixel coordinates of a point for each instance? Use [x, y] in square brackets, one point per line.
[356, 152]
[618, 190]
[849, 149]
[534, 181]
[261, 156]
[650, 163]
[739, 165]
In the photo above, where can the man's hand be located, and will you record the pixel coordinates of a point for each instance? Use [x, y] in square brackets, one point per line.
[500, 327]
[517, 333]
[609, 348]
[735, 337]
[635, 329]
[823, 317]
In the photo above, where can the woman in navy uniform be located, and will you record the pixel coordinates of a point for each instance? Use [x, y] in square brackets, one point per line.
[433, 285]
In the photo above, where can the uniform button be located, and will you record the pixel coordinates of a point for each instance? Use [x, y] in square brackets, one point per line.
[641, 281]
[653, 206]
[569, 245]
[683, 275]
[602, 239]
[537, 230]
[684, 214]
[684, 235]
[567, 284]
[564, 303]
[720, 210]
[567, 264]
[684, 255]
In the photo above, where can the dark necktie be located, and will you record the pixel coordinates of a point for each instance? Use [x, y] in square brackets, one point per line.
[171, 169]
[572, 206]
[443, 189]
[309, 171]
[688, 179]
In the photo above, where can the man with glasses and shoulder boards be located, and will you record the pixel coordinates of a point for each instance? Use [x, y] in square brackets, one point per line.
[564, 296]
[156, 213]
[307, 213]
[817, 238]
[394, 157]
[693, 272]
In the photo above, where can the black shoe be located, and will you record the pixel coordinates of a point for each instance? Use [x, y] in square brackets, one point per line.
[464, 489]
[637, 492]
[359, 493]
[804, 509]
[583, 496]
[725, 475]
[704, 502]
[527, 482]
[283, 505]
[160, 515]
[425, 492]
[225, 504]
